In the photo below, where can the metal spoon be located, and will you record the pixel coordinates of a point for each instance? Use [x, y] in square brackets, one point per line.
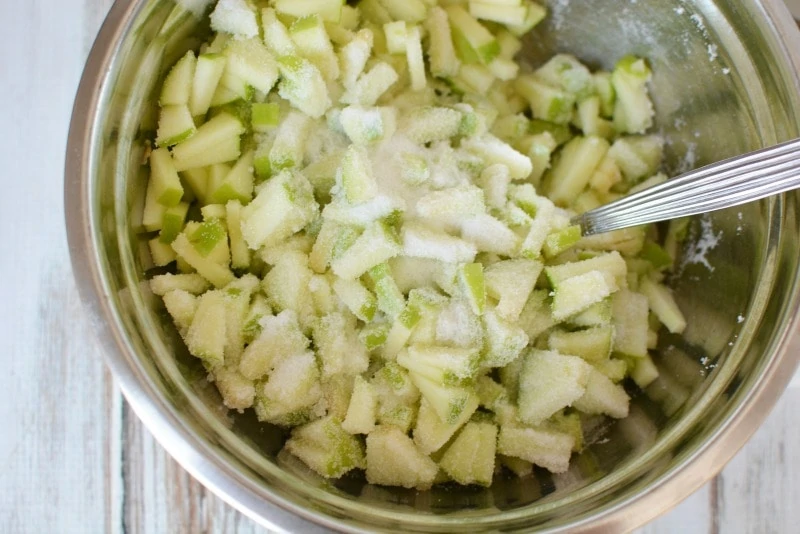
[730, 182]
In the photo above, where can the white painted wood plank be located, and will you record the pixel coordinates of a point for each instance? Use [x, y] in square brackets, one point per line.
[692, 516]
[161, 497]
[759, 491]
[60, 411]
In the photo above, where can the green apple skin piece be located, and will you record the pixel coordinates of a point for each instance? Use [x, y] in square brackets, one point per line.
[289, 146]
[633, 110]
[261, 164]
[575, 294]
[250, 61]
[400, 331]
[629, 313]
[326, 447]
[191, 283]
[214, 211]
[329, 10]
[282, 207]
[566, 72]
[313, 43]
[470, 276]
[367, 125]
[560, 133]
[206, 336]
[240, 254]
[374, 335]
[390, 299]
[164, 178]
[563, 377]
[443, 61]
[473, 42]
[172, 222]
[395, 33]
[411, 11]
[393, 459]
[207, 235]
[470, 458]
[197, 180]
[502, 14]
[561, 240]
[375, 246]
[505, 341]
[536, 13]
[234, 17]
[551, 450]
[265, 116]
[371, 85]
[161, 253]
[605, 92]
[610, 262]
[373, 11]
[414, 58]
[278, 335]
[644, 371]
[353, 57]
[276, 35]
[153, 210]
[637, 156]
[362, 410]
[181, 306]
[216, 141]
[431, 123]
[451, 404]
[421, 242]
[492, 150]
[355, 175]
[236, 184]
[548, 103]
[177, 86]
[603, 396]
[207, 75]
[224, 95]
[473, 78]
[357, 298]
[303, 86]
[663, 305]
[580, 157]
[511, 282]
[592, 344]
[416, 170]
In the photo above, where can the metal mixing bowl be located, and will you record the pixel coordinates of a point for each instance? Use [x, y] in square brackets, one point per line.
[726, 81]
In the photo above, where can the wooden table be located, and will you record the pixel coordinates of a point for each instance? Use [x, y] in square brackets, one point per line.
[73, 457]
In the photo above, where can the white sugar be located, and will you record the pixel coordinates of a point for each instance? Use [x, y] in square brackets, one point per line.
[234, 17]
[697, 251]
[712, 52]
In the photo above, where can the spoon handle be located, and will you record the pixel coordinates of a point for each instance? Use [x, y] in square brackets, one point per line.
[730, 182]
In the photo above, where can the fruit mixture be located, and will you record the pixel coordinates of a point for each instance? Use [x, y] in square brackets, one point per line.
[364, 215]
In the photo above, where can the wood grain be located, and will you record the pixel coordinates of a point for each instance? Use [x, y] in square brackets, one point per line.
[759, 491]
[162, 497]
[57, 452]
[73, 457]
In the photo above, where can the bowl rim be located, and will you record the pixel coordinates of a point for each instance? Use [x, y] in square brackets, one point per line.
[281, 514]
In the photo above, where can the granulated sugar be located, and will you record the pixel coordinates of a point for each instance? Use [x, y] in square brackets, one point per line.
[696, 251]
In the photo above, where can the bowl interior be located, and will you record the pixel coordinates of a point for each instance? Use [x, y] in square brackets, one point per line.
[718, 90]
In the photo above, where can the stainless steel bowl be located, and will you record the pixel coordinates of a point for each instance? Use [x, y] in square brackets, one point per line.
[726, 81]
